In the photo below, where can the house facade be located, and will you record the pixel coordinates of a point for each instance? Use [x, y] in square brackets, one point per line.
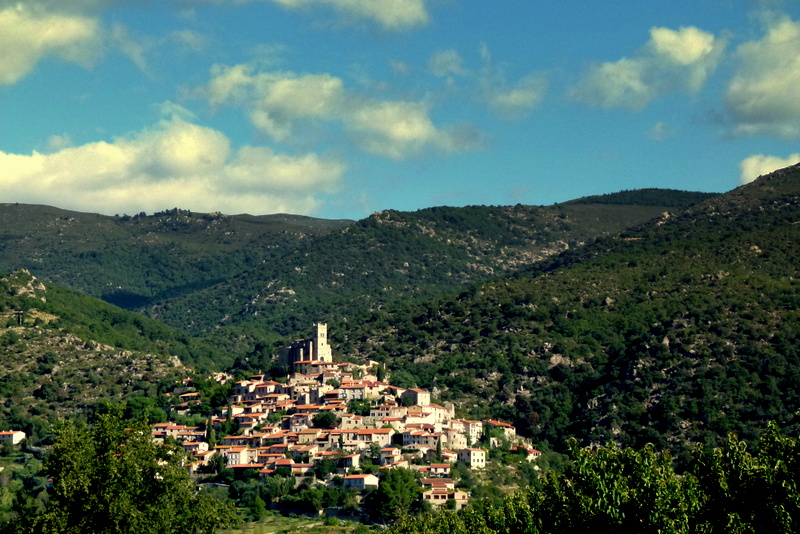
[12, 436]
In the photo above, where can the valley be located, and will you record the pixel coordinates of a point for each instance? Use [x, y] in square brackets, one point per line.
[648, 320]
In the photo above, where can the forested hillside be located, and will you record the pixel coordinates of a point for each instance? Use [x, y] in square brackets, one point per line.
[275, 274]
[400, 257]
[62, 352]
[132, 260]
[678, 331]
[610, 320]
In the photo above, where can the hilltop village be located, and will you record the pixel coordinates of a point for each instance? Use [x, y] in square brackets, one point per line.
[296, 426]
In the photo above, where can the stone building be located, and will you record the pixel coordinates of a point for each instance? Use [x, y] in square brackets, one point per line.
[305, 351]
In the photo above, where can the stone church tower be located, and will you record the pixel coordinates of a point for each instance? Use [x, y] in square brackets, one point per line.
[315, 349]
[320, 349]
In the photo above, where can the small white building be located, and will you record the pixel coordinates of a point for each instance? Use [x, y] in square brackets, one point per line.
[475, 458]
[14, 436]
[419, 397]
[361, 482]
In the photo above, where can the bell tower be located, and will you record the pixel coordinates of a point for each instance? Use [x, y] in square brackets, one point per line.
[322, 351]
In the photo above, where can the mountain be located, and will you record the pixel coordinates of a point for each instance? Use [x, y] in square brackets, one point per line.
[674, 332]
[394, 256]
[279, 273]
[62, 352]
[132, 260]
[243, 281]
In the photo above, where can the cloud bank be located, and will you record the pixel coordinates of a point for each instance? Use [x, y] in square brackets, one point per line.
[175, 163]
[394, 15]
[279, 104]
[671, 61]
[764, 94]
[29, 35]
[759, 165]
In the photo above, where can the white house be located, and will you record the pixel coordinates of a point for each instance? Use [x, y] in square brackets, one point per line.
[361, 482]
[14, 436]
[475, 458]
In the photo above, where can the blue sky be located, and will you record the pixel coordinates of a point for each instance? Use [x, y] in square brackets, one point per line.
[340, 108]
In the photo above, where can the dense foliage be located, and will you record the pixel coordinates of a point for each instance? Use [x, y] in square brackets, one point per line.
[648, 197]
[62, 352]
[134, 260]
[394, 257]
[677, 332]
[112, 478]
[727, 489]
[274, 273]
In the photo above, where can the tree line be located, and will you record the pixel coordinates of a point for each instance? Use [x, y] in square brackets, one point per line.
[725, 489]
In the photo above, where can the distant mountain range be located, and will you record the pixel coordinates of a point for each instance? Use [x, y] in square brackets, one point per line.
[643, 316]
[202, 271]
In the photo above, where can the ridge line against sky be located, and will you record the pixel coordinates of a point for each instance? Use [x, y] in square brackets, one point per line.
[340, 108]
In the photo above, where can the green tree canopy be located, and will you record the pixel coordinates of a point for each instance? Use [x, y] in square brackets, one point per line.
[112, 478]
[398, 494]
[610, 489]
[324, 420]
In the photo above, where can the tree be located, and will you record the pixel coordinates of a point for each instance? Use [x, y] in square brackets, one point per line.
[359, 407]
[744, 492]
[611, 489]
[622, 490]
[381, 372]
[259, 508]
[211, 434]
[398, 494]
[324, 420]
[112, 478]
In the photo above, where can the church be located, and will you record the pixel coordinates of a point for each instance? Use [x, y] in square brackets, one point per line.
[308, 352]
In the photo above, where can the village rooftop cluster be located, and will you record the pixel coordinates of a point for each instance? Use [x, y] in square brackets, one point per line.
[279, 429]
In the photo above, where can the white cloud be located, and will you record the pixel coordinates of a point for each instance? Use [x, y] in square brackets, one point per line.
[27, 36]
[71, 31]
[175, 163]
[618, 84]
[283, 98]
[445, 63]
[398, 129]
[390, 14]
[190, 40]
[510, 101]
[671, 61]
[764, 94]
[514, 101]
[759, 165]
[135, 47]
[661, 131]
[228, 83]
[276, 102]
[171, 109]
[687, 46]
[59, 142]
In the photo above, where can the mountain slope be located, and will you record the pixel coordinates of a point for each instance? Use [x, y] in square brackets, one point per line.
[677, 331]
[279, 273]
[62, 352]
[395, 256]
[131, 260]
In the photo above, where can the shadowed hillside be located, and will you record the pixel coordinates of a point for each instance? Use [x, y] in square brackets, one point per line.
[678, 331]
